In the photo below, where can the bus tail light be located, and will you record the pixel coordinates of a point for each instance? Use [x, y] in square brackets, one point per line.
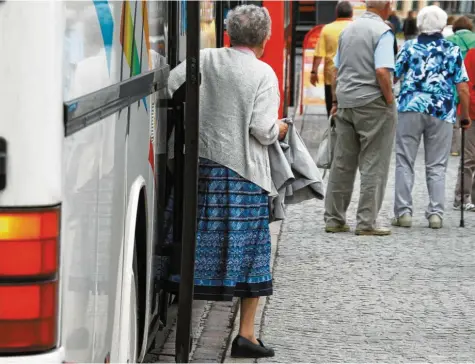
[29, 243]
[28, 280]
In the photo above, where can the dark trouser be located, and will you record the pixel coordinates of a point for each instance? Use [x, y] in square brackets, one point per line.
[469, 170]
[328, 98]
[365, 139]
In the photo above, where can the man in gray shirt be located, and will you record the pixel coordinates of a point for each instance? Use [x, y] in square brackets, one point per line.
[365, 117]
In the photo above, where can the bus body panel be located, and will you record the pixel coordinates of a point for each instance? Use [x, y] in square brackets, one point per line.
[81, 47]
[114, 153]
[51, 357]
[140, 146]
[92, 219]
[94, 186]
[30, 89]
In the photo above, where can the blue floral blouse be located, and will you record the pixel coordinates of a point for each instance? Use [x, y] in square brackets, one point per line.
[430, 68]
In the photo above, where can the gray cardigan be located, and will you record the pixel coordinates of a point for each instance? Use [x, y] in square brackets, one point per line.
[239, 103]
[295, 175]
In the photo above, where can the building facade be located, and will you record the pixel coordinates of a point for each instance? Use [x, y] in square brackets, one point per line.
[460, 7]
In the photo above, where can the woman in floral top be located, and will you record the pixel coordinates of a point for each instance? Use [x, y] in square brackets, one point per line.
[431, 68]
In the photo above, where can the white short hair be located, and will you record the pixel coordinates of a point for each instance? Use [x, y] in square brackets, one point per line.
[431, 19]
[248, 25]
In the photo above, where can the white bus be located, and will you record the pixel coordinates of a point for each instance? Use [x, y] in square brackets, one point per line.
[77, 180]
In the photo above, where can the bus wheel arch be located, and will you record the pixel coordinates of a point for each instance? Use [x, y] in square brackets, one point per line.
[140, 266]
[133, 275]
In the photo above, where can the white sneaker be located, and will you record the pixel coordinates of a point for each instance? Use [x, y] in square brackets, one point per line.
[402, 221]
[467, 207]
[435, 222]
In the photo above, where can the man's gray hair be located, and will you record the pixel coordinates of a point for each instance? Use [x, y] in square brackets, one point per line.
[248, 25]
[431, 19]
[377, 4]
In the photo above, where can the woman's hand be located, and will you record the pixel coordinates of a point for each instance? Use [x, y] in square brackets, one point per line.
[465, 123]
[283, 129]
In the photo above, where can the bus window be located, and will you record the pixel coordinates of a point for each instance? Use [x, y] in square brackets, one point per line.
[87, 53]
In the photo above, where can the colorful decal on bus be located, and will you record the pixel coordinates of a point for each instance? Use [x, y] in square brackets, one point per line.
[132, 55]
[106, 22]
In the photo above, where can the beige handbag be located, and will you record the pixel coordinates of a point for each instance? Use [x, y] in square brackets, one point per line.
[327, 147]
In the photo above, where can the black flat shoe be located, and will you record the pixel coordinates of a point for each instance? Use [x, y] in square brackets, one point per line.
[243, 348]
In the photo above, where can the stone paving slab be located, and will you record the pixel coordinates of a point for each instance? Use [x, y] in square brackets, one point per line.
[408, 297]
[166, 353]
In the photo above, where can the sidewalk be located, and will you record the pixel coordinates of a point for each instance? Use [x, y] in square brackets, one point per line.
[212, 326]
[343, 298]
[275, 231]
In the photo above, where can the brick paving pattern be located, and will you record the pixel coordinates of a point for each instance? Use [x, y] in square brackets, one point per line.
[408, 297]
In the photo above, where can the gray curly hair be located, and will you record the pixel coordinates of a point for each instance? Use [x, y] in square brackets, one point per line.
[248, 25]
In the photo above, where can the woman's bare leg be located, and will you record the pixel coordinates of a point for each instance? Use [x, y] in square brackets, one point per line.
[248, 316]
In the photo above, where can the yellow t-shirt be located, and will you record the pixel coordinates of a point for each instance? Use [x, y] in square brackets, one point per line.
[327, 45]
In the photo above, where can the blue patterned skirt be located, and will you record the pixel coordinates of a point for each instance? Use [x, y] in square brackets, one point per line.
[233, 245]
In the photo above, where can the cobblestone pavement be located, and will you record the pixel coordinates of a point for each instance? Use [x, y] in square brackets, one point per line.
[212, 327]
[408, 297]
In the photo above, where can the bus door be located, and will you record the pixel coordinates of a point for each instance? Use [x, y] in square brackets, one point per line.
[177, 202]
[169, 177]
[190, 183]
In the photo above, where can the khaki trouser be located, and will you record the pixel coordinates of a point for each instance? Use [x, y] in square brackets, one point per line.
[468, 183]
[365, 137]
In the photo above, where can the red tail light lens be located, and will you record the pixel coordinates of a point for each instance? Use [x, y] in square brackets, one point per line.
[28, 317]
[28, 280]
[28, 243]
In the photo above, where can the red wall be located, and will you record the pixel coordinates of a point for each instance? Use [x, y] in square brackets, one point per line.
[275, 48]
[274, 51]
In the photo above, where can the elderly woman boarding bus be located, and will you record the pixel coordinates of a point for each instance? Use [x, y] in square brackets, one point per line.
[239, 102]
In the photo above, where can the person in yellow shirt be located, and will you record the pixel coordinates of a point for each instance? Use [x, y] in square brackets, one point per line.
[327, 46]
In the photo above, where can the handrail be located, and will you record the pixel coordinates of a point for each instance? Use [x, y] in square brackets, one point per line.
[190, 184]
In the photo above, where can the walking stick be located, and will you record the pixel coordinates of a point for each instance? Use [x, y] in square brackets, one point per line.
[463, 123]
